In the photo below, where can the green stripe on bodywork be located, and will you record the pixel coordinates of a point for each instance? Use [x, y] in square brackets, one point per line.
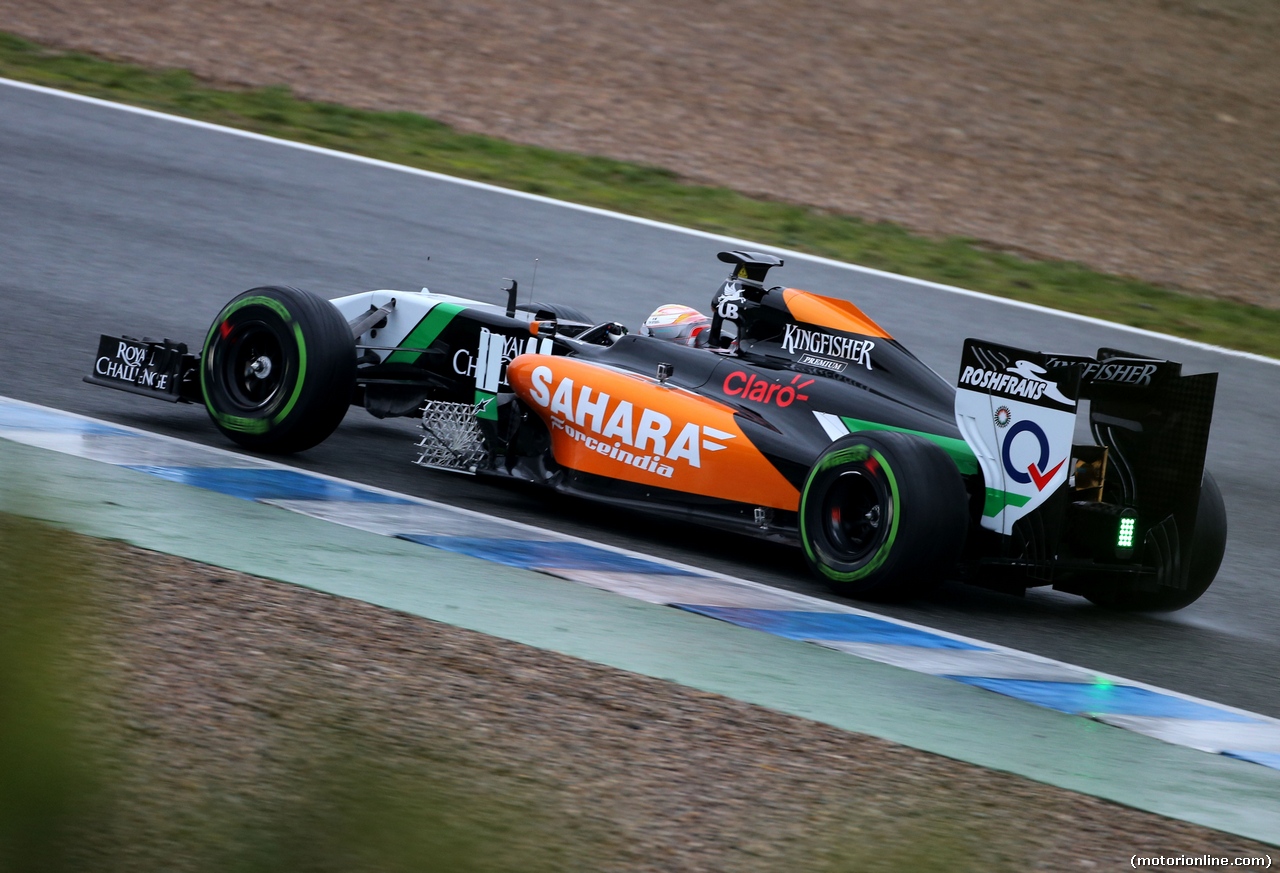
[997, 500]
[425, 332]
[958, 449]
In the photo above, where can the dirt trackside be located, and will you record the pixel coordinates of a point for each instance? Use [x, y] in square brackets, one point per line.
[1137, 136]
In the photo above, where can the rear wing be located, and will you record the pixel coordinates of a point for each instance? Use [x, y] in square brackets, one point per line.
[1149, 424]
[1154, 423]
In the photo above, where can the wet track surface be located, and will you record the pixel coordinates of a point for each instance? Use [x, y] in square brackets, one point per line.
[112, 222]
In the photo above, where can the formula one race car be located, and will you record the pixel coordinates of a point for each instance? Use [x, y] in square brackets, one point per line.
[800, 420]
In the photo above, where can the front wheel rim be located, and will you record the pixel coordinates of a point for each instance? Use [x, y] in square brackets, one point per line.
[253, 366]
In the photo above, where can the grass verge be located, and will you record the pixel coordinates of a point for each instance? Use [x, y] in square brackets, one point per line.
[407, 138]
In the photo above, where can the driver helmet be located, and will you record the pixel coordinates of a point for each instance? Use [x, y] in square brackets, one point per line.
[678, 324]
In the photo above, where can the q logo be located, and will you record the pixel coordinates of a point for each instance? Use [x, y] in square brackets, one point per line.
[1035, 472]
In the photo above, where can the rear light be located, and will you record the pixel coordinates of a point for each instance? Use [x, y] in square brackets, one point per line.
[1126, 532]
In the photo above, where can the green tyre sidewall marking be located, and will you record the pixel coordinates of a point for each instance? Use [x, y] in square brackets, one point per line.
[237, 423]
[844, 456]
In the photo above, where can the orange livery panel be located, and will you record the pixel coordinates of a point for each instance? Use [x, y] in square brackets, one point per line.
[625, 426]
[830, 312]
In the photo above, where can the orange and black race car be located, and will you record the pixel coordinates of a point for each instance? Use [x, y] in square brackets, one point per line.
[793, 417]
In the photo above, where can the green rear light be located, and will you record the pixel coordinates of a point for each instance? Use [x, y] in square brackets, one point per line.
[1126, 534]
[1124, 538]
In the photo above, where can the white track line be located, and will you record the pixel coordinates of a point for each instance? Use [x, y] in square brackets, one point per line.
[647, 222]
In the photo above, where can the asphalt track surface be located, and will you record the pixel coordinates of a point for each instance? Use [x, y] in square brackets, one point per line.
[112, 222]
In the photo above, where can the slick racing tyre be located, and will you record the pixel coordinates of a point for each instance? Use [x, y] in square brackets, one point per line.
[883, 515]
[278, 369]
[1208, 543]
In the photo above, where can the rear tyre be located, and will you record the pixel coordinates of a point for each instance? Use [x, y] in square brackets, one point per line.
[1208, 544]
[883, 515]
[278, 369]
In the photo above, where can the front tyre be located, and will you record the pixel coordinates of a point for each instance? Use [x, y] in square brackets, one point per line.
[278, 369]
[883, 515]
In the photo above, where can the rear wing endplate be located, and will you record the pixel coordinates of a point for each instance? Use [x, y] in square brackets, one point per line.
[1017, 410]
[1019, 419]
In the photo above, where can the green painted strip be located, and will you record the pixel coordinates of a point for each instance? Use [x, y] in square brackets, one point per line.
[997, 500]
[959, 450]
[425, 332]
[924, 712]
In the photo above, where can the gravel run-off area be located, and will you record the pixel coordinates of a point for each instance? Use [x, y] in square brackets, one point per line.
[215, 684]
[1136, 136]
